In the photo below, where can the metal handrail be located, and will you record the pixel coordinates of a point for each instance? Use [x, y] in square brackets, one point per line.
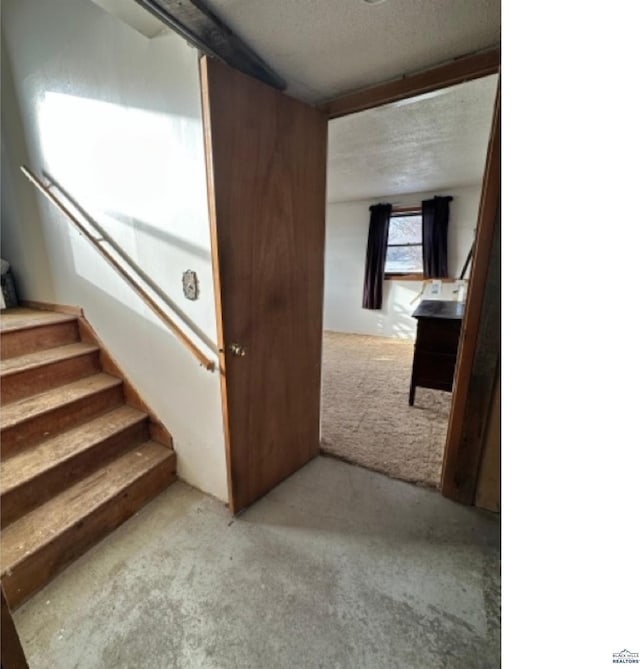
[143, 294]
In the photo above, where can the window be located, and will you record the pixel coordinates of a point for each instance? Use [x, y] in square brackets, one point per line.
[404, 247]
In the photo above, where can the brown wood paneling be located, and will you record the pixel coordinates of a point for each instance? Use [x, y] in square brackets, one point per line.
[479, 342]
[457, 71]
[488, 491]
[269, 170]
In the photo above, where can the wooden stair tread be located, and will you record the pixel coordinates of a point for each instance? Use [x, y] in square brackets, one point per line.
[20, 318]
[22, 363]
[76, 460]
[25, 409]
[28, 464]
[36, 529]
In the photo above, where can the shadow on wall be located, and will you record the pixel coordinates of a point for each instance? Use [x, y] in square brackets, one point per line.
[393, 319]
[171, 241]
[23, 244]
[403, 324]
[146, 164]
[150, 230]
[167, 237]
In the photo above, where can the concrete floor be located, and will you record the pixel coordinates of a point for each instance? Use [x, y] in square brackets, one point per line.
[337, 567]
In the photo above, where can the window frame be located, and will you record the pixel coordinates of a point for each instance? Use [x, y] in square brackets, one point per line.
[402, 212]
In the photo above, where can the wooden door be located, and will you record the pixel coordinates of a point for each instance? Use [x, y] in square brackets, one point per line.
[266, 156]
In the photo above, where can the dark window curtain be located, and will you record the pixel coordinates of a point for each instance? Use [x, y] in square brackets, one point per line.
[435, 228]
[376, 256]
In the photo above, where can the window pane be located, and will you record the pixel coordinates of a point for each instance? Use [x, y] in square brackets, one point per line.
[405, 230]
[404, 259]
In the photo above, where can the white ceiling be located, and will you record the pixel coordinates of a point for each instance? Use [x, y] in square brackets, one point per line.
[134, 15]
[325, 48]
[435, 141]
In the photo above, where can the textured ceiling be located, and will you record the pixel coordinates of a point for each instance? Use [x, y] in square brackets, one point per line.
[428, 143]
[327, 48]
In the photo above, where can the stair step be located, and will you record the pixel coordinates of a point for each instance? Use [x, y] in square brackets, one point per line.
[24, 363]
[29, 420]
[40, 544]
[37, 331]
[38, 371]
[37, 474]
[21, 318]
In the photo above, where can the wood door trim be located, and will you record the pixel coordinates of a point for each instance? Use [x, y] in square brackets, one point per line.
[215, 266]
[460, 467]
[132, 397]
[464, 68]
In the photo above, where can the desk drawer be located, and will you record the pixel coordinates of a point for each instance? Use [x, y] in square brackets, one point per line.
[433, 370]
[438, 335]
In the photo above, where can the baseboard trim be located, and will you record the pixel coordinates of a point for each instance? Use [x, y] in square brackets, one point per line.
[157, 429]
[49, 306]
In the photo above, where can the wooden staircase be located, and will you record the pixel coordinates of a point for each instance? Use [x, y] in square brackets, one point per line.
[80, 452]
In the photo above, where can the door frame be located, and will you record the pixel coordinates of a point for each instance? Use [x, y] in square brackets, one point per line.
[215, 268]
[477, 363]
[461, 462]
[459, 70]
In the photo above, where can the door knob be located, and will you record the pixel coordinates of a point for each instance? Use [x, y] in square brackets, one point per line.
[238, 349]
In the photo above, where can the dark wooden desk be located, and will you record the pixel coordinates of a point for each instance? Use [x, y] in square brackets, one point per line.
[436, 348]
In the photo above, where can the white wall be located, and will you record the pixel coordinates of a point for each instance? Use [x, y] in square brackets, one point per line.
[115, 118]
[347, 232]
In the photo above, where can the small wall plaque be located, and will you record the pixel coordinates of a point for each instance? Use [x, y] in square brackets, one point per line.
[190, 284]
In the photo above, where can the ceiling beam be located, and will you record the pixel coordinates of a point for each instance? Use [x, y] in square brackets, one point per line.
[454, 72]
[208, 33]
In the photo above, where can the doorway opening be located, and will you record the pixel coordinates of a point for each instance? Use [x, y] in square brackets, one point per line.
[400, 154]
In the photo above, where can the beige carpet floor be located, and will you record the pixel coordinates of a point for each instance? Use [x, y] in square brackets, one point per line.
[366, 417]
